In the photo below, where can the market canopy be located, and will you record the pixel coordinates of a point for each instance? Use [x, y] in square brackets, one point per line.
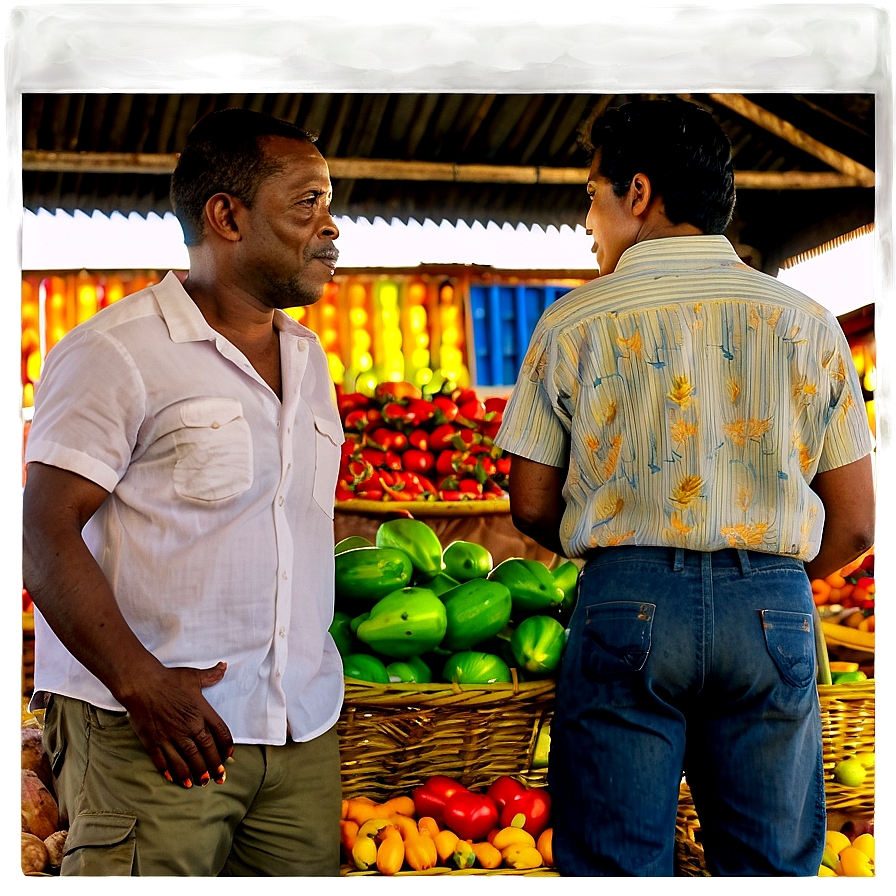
[804, 163]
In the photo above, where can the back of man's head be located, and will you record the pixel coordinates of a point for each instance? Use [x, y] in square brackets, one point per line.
[224, 153]
[679, 146]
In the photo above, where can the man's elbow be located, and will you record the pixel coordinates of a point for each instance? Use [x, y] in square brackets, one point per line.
[862, 536]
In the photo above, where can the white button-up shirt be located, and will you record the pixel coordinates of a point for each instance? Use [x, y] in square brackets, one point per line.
[217, 534]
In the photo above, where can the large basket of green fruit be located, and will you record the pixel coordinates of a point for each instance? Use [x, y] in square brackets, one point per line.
[449, 659]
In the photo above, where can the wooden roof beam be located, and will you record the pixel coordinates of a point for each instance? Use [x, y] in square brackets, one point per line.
[385, 169]
[772, 123]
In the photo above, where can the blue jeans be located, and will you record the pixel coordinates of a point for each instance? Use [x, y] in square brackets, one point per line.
[697, 662]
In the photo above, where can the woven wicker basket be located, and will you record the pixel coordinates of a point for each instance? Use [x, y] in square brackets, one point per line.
[847, 728]
[393, 737]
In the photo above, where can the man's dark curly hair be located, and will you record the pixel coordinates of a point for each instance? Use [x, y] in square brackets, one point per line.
[225, 154]
[683, 151]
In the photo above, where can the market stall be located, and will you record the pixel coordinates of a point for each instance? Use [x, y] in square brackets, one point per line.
[445, 727]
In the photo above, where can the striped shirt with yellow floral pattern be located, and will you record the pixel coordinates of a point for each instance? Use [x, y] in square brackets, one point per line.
[692, 400]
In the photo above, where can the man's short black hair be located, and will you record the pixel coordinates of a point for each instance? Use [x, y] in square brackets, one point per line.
[683, 151]
[225, 154]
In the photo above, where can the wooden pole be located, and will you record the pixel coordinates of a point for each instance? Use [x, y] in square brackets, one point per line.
[385, 169]
[800, 139]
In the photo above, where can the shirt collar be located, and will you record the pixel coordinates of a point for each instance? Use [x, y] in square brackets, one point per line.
[679, 253]
[185, 321]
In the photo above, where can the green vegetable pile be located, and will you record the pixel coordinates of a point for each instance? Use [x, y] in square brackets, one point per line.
[408, 610]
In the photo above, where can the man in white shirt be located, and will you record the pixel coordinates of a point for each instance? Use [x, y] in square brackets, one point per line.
[178, 535]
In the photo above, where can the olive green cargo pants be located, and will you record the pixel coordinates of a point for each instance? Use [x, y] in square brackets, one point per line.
[276, 814]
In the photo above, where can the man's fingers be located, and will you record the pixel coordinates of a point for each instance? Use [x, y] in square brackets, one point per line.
[208, 677]
[177, 770]
[221, 734]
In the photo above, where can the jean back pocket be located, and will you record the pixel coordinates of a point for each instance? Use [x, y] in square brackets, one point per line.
[616, 639]
[790, 640]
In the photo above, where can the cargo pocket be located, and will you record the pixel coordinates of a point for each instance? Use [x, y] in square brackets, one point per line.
[214, 450]
[616, 639]
[100, 844]
[54, 743]
[328, 436]
[790, 640]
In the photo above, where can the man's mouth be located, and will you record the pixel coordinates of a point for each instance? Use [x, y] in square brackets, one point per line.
[329, 258]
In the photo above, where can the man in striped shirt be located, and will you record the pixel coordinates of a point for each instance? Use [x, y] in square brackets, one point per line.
[694, 430]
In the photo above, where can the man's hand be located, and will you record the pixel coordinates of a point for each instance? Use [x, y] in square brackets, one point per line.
[185, 738]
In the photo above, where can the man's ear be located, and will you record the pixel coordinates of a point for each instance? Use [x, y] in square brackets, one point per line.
[220, 216]
[640, 193]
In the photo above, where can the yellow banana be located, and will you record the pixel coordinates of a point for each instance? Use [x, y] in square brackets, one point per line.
[511, 836]
[521, 857]
[364, 853]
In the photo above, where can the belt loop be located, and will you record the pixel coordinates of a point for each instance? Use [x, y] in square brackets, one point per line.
[679, 560]
[744, 557]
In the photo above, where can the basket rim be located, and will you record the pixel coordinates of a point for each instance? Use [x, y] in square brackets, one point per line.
[355, 685]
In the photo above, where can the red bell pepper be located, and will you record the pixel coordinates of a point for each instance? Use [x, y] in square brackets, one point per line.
[388, 439]
[530, 811]
[471, 815]
[419, 411]
[393, 412]
[373, 456]
[471, 487]
[430, 798]
[504, 789]
[351, 401]
[447, 461]
[447, 409]
[356, 420]
[343, 492]
[441, 437]
[419, 438]
[418, 461]
[473, 409]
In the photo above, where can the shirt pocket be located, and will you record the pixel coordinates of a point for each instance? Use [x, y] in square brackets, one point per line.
[214, 450]
[617, 639]
[328, 437]
[790, 639]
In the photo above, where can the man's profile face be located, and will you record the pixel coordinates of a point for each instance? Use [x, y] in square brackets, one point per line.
[286, 248]
[609, 220]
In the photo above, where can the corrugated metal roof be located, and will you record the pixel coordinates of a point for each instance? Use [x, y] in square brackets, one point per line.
[773, 135]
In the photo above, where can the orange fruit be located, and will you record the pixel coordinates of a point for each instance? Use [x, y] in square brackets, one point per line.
[855, 863]
[865, 842]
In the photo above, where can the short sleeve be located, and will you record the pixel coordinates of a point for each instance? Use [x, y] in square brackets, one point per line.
[88, 407]
[530, 427]
[847, 437]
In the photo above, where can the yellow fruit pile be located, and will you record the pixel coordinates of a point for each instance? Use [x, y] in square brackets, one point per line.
[845, 858]
[389, 838]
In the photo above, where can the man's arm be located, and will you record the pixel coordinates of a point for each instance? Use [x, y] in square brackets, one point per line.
[536, 501]
[847, 494]
[183, 735]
